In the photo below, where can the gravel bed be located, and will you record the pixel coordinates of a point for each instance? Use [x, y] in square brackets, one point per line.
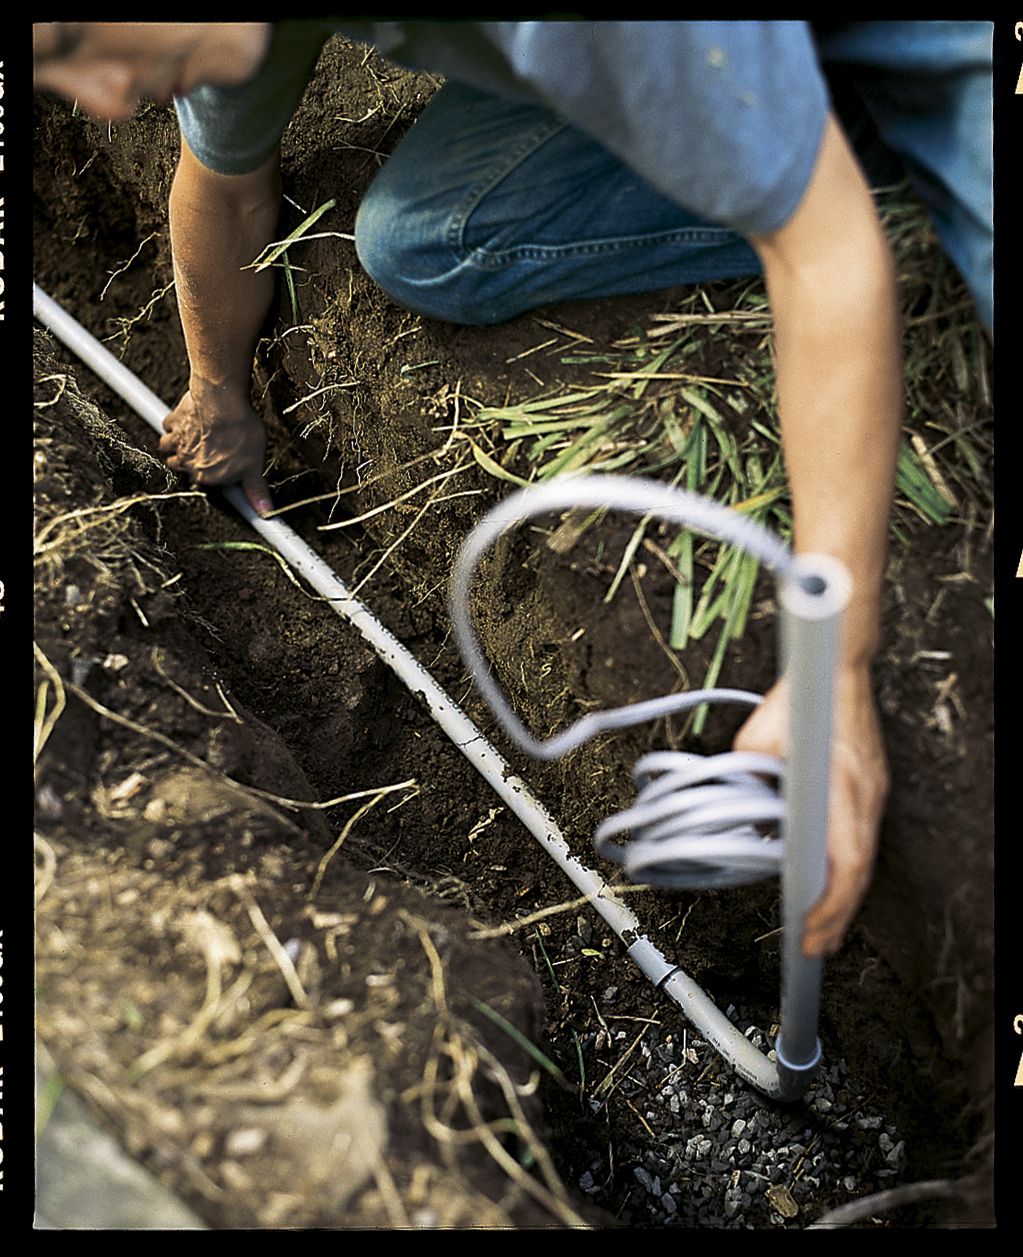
[720, 1155]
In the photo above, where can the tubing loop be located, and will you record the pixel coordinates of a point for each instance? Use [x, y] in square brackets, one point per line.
[697, 821]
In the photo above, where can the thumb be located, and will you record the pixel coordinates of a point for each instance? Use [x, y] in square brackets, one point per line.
[763, 731]
[257, 491]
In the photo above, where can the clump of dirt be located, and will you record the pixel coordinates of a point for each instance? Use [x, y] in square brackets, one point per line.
[283, 1038]
[166, 885]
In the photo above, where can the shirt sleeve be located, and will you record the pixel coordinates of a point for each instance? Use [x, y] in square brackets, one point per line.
[234, 130]
[726, 118]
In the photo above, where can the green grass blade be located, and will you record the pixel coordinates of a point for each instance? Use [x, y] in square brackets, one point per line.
[290, 280]
[630, 550]
[576, 456]
[494, 468]
[741, 596]
[913, 482]
[262, 263]
[518, 1037]
[682, 602]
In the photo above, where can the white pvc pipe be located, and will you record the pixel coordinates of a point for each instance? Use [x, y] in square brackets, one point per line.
[747, 1061]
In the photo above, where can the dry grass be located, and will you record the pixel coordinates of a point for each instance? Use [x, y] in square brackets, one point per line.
[667, 401]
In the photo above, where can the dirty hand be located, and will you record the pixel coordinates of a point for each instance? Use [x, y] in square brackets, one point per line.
[216, 441]
[859, 787]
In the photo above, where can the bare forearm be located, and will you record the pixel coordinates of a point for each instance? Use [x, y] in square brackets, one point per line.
[839, 397]
[839, 393]
[831, 285]
[219, 225]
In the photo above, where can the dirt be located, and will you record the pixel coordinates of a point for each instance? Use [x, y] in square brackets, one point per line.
[164, 885]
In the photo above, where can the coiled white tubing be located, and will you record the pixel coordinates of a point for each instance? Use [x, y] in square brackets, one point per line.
[697, 821]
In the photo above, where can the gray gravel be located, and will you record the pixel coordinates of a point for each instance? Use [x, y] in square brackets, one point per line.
[720, 1155]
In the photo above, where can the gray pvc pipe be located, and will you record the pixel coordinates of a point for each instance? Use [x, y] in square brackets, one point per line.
[812, 603]
[813, 592]
[749, 1063]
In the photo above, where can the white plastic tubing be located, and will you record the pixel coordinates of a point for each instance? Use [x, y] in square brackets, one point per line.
[698, 820]
[811, 597]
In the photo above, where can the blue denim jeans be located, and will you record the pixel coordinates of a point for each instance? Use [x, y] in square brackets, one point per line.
[490, 207]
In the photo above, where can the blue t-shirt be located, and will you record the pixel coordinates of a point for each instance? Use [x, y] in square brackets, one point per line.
[725, 118]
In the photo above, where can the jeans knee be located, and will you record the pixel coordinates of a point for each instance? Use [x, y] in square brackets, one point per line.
[376, 245]
[408, 256]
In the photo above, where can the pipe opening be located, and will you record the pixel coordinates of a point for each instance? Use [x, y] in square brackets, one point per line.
[813, 584]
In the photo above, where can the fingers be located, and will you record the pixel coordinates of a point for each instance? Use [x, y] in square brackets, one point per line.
[174, 444]
[766, 729]
[858, 789]
[257, 491]
[217, 447]
[848, 877]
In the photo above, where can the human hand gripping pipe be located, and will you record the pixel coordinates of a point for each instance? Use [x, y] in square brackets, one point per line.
[783, 1080]
[695, 821]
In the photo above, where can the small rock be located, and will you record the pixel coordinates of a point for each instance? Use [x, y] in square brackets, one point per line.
[245, 1142]
[154, 811]
[48, 803]
[235, 1177]
[338, 1008]
[782, 1200]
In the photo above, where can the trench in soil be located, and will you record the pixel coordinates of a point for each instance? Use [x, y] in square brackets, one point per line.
[906, 1001]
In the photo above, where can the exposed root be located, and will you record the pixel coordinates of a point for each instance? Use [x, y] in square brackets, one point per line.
[321, 868]
[511, 927]
[229, 714]
[125, 325]
[46, 871]
[74, 524]
[881, 1202]
[447, 1091]
[46, 721]
[377, 510]
[271, 942]
[154, 734]
[219, 948]
[61, 380]
[153, 235]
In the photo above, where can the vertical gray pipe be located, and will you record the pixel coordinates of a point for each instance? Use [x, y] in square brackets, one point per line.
[813, 597]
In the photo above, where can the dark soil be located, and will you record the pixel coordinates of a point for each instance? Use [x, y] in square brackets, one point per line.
[157, 863]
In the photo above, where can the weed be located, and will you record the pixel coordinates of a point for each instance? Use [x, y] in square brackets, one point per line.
[652, 411]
